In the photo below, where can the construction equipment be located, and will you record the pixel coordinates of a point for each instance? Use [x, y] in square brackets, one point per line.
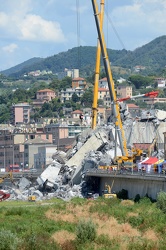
[107, 192]
[97, 71]
[151, 94]
[114, 102]
[8, 175]
[32, 198]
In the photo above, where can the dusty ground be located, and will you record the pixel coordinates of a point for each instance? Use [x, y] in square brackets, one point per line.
[105, 225]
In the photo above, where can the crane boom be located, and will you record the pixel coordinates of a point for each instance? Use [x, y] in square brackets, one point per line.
[115, 106]
[151, 94]
[97, 71]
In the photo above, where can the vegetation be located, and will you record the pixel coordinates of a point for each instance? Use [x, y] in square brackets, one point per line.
[161, 201]
[83, 224]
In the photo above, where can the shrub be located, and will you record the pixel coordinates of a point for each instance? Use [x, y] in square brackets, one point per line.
[161, 201]
[137, 198]
[8, 240]
[123, 194]
[86, 231]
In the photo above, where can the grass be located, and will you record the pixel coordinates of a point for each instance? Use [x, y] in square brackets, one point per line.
[118, 225]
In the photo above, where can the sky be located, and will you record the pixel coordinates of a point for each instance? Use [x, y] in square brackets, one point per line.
[43, 28]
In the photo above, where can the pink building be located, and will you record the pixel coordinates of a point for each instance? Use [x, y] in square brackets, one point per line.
[20, 113]
[45, 94]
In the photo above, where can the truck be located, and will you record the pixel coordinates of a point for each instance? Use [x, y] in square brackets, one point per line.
[14, 168]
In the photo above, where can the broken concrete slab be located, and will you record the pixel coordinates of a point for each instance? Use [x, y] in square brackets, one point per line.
[49, 174]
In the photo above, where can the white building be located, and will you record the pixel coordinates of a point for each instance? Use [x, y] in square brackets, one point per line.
[103, 83]
[66, 95]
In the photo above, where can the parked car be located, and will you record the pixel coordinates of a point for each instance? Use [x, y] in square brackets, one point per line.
[33, 170]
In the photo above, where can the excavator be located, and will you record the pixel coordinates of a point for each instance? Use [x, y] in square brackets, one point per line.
[8, 175]
[3, 195]
[107, 192]
[119, 131]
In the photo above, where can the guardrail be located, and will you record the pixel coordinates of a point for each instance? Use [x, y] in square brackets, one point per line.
[126, 173]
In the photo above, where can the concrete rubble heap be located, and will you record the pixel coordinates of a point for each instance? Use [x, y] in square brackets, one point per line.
[64, 177]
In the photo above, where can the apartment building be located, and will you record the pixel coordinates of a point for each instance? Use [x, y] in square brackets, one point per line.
[12, 144]
[102, 92]
[79, 83]
[58, 131]
[124, 91]
[45, 94]
[73, 73]
[103, 83]
[20, 113]
[161, 82]
[66, 95]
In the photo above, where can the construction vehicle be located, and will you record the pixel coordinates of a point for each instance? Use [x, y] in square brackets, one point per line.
[119, 131]
[32, 198]
[8, 175]
[107, 192]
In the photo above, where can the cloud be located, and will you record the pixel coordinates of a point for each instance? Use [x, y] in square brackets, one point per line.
[34, 28]
[10, 48]
[18, 21]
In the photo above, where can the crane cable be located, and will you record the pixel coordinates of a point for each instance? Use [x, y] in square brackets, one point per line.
[114, 29]
[78, 32]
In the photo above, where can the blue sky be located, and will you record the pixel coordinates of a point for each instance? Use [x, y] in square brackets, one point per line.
[42, 28]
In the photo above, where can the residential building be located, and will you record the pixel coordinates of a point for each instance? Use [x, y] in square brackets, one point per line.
[133, 109]
[12, 141]
[75, 130]
[121, 80]
[20, 113]
[124, 91]
[58, 131]
[149, 100]
[79, 83]
[44, 156]
[103, 83]
[45, 94]
[76, 114]
[102, 92]
[66, 95]
[107, 101]
[73, 73]
[31, 148]
[161, 82]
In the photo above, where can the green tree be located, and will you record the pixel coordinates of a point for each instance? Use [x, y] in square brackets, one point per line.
[75, 98]
[140, 81]
[87, 98]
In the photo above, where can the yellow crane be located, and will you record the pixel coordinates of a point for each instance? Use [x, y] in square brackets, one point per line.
[115, 105]
[97, 71]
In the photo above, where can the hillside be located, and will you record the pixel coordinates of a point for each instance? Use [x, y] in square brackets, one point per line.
[151, 55]
[22, 66]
